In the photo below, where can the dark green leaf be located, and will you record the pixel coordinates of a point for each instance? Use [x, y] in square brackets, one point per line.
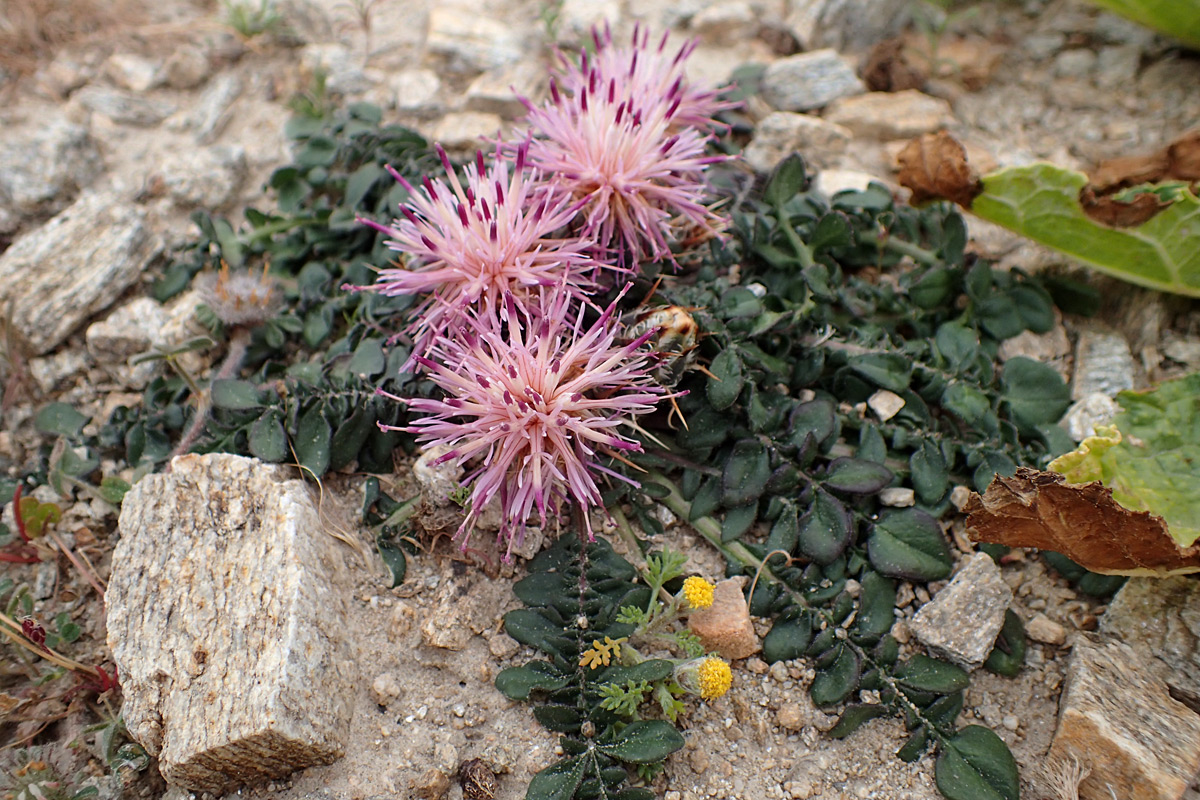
[931, 675]
[935, 289]
[930, 475]
[966, 401]
[394, 559]
[999, 316]
[915, 745]
[908, 543]
[1088, 582]
[832, 230]
[993, 463]
[885, 370]
[856, 477]
[825, 529]
[1034, 305]
[368, 360]
[557, 781]
[60, 419]
[876, 605]
[789, 637]
[349, 438]
[707, 499]
[1008, 654]
[975, 764]
[360, 182]
[559, 718]
[815, 417]
[854, 716]
[516, 683]
[724, 388]
[235, 395]
[113, 489]
[835, 682]
[644, 742]
[789, 179]
[1034, 392]
[267, 439]
[1072, 296]
[312, 441]
[737, 521]
[746, 473]
[529, 627]
[957, 343]
[784, 533]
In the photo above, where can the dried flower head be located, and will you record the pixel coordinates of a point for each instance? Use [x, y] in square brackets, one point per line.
[707, 676]
[240, 298]
[698, 592]
[533, 399]
[473, 241]
[620, 147]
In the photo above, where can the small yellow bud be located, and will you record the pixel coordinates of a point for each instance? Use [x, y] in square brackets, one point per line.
[698, 592]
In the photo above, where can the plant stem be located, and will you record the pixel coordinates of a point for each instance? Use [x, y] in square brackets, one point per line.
[913, 251]
[789, 230]
[239, 343]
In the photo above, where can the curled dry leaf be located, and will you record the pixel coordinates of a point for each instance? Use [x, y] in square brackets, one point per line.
[888, 69]
[934, 167]
[1108, 210]
[1081, 521]
[1178, 161]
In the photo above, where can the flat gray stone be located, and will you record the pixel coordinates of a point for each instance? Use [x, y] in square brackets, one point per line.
[463, 132]
[782, 133]
[416, 90]
[206, 178]
[1160, 618]
[809, 81]
[962, 621]
[73, 267]
[225, 612]
[891, 115]
[1117, 718]
[496, 91]
[469, 42]
[846, 24]
[125, 107]
[211, 112]
[45, 167]
[1103, 364]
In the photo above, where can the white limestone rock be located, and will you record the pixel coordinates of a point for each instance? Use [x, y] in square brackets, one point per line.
[846, 24]
[207, 178]
[225, 612]
[891, 115]
[469, 42]
[962, 621]
[782, 133]
[74, 266]
[45, 166]
[123, 106]
[809, 80]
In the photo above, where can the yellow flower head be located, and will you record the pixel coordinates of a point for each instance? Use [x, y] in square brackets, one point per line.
[708, 676]
[715, 678]
[698, 592]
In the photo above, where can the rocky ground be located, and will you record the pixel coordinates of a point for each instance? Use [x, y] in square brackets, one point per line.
[115, 127]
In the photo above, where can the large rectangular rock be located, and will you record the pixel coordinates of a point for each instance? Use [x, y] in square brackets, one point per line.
[225, 612]
[57, 276]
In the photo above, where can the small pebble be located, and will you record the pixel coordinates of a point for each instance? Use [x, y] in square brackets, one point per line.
[1045, 630]
[791, 717]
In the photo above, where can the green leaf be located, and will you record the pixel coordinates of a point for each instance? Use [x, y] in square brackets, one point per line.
[956, 343]
[312, 441]
[60, 419]
[935, 288]
[975, 764]
[557, 781]
[360, 182]
[559, 718]
[725, 383]
[885, 370]
[789, 179]
[235, 395]
[1034, 392]
[738, 520]
[644, 742]
[825, 529]
[368, 360]
[931, 675]
[1179, 19]
[1008, 654]
[834, 683]
[1041, 201]
[789, 637]
[746, 473]
[394, 558]
[854, 716]
[785, 532]
[915, 745]
[1150, 456]
[908, 543]
[268, 440]
[930, 475]
[529, 627]
[349, 438]
[856, 477]
[876, 605]
[113, 489]
[816, 417]
[832, 230]
[967, 402]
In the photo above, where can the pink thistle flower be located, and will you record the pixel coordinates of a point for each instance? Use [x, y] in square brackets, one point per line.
[534, 399]
[618, 146]
[473, 244]
[647, 72]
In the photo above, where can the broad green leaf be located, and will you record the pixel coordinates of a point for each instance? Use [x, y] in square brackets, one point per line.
[908, 543]
[856, 477]
[825, 529]
[915, 745]
[789, 637]
[644, 742]
[854, 716]
[394, 558]
[1034, 392]
[725, 383]
[1150, 456]
[235, 395]
[931, 675]
[1008, 654]
[746, 473]
[1041, 201]
[267, 439]
[975, 764]
[789, 179]
[885, 370]
[516, 683]
[60, 419]
[838, 679]
[557, 781]
[930, 475]
[876, 605]
[559, 718]
[1179, 19]
[312, 441]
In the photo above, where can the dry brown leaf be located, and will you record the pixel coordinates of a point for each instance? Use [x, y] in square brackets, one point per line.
[1178, 161]
[1081, 521]
[934, 167]
[1107, 210]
